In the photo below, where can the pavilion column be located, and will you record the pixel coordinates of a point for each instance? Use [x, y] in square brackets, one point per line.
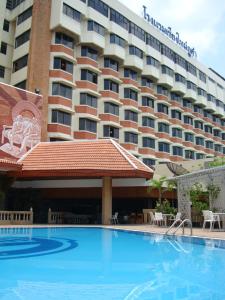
[106, 200]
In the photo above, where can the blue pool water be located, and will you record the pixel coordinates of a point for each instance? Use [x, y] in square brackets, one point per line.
[101, 264]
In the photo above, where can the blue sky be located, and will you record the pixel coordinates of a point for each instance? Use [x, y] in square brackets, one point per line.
[199, 22]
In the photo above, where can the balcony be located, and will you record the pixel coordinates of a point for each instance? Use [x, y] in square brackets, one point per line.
[151, 71]
[134, 61]
[201, 100]
[92, 37]
[166, 80]
[191, 94]
[179, 87]
[115, 50]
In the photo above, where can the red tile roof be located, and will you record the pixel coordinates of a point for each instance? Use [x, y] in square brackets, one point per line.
[9, 165]
[95, 158]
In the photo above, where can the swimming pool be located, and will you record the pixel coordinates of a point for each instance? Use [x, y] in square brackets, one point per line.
[96, 264]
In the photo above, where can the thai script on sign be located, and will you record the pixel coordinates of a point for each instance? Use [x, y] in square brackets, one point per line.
[168, 32]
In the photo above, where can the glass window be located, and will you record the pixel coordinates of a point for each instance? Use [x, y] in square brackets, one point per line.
[162, 108]
[87, 99]
[110, 131]
[188, 120]
[87, 125]
[94, 26]
[148, 142]
[111, 85]
[198, 124]
[89, 52]
[209, 144]
[192, 86]
[153, 42]
[24, 15]
[61, 117]
[180, 60]
[148, 122]
[191, 69]
[89, 76]
[164, 147]
[131, 115]
[202, 92]
[149, 162]
[177, 132]
[180, 78]
[162, 127]
[130, 94]
[61, 38]
[111, 108]
[2, 72]
[21, 85]
[175, 114]
[152, 61]
[187, 103]
[135, 51]
[176, 97]
[23, 38]
[131, 137]
[137, 31]
[189, 154]
[177, 151]
[119, 19]
[115, 39]
[3, 48]
[71, 12]
[208, 129]
[167, 70]
[111, 63]
[11, 4]
[167, 52]
[218, 148]
[20, 63]
[146, 101]
[217, 133]
[202, 76]
[147, 82]
[6, 25]
[199, 141]
[162, 90]
[198, 109]
[189, 137]
[129, 73]
[62, 64]
[199, 156]
[99, 6]
[59, 89]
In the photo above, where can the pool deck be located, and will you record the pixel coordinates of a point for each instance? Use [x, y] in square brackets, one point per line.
[198, 232]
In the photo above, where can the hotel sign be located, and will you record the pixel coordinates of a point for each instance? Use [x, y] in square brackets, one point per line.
[168, 32]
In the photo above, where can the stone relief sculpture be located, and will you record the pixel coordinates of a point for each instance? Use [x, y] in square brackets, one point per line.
[24, 133]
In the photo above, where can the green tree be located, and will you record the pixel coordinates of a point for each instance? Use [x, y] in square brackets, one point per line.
[162, 185]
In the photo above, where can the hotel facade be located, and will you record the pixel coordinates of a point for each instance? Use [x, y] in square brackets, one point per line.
[105, 72]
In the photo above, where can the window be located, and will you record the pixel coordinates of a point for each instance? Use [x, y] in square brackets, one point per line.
[191, 69]
[153, 42]
[111, 85]
[6, 25]
[167, 52]
[2, 72]
[223, 150]
[188, 120]
[223, 136]
[11, 4]
[176, 97]
[61, 117]
[119, 19]
[62, 64]
[131, 137]
[209, 145]
[99, 6]
[115, 39]
[137, 31]
[110, 131]
[199, 156]
[87, 99]
[130, 74]
[59, 89]
[198, 109]
[135, 51]
[162, 108]
[71, 12]
[199, 141]
[146, 101]
[149, 162]
[218, 148]
[180, 61]
[148, 122]
[208, 129]
[210, 98]
[191, 86]
[146, 82]
[20, 63]
[152, 61]
[164, 147]
[167, 70]
[180, 78]
[111, 63]
[148, 142]
[162, 127]
[219, 103]
[89, 52]
[207, 114]
[61, 38]
[89, 76]
[199, 124]
[94, 26]
[21, 84]
[162, 90]
[111, 108]
[23, 38]
[130, 94]
[130, 115]
[202, 92]
[177, 151]
[3, 48]
[175, 114]
[189, 154]
[189, 137]
[87, 125]
[177, 132]
[202, 76]
[217, 133]
[24, 15]
[187, 103]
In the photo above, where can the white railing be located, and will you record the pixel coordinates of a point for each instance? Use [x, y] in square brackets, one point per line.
[9, 217]
[55, 217]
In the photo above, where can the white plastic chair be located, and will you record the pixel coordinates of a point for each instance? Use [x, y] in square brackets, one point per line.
[158, 218]
[114, 219]
[176, 218]
[151, 218]
[210, 218]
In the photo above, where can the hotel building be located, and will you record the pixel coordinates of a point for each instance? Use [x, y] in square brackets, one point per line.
[105, 72]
